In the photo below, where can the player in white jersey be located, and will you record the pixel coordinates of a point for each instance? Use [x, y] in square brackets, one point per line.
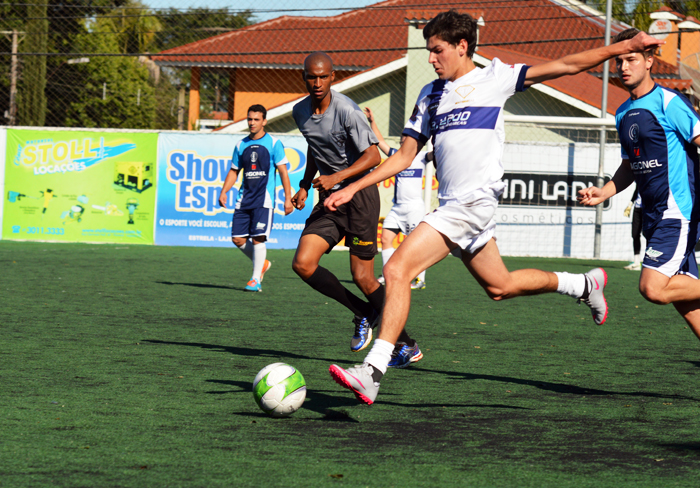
[409, 208]
[462, 112]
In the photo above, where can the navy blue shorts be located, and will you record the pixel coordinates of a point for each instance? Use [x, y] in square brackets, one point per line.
[671, 247]
[254, 222]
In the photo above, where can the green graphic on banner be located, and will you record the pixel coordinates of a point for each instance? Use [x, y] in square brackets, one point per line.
[80, 186]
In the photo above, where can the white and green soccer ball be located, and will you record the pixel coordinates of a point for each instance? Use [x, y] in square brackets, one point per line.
[279, 389]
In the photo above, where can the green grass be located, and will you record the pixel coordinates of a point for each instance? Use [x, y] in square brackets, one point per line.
[132, 366]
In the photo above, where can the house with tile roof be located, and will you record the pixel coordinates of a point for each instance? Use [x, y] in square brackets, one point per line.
[380, 58]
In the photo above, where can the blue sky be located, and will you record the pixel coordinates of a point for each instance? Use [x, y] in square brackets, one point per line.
[279, 7]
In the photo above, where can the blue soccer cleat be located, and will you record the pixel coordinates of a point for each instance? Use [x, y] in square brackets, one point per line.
[404, 355]
[363, 334]
[253, 285]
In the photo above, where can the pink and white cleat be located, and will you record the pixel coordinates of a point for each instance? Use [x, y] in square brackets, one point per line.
[357, 379]
[597, 279]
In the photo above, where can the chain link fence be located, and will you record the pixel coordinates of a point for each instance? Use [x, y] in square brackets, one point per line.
[170, 65]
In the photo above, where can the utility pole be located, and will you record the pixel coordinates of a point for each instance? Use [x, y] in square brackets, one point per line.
[181, 109]
[12, 112]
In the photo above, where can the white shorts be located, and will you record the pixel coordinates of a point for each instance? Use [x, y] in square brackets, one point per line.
[404, 217]
[468, 224]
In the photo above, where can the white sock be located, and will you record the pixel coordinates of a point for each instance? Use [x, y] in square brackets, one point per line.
[380, 355]
[421, 275]
[259, 254]
[386, 254]
[247, 249]
[637, 259]
[571, 284]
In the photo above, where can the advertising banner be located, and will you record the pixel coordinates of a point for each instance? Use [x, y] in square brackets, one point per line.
[192, 169]
[79, 186]
[538, 214]
[3, 135]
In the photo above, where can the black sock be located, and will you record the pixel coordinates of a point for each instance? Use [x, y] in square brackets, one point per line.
[325, 282]
[376, 374]
[406, 339]
[376, 298]
[586, 289]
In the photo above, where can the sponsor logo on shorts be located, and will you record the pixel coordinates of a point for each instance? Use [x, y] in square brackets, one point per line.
[357, 242]
[653, 254]
[260, 225]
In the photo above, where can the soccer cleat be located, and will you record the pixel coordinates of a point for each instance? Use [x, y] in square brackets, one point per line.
[417, 284]
[266, 267]
[634, 266]
[253, 285]
[597, 279]
[404, 355]
[357, 379]
[363, 334]
[381, 279]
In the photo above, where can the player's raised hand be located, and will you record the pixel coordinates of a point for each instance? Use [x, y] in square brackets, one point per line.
[643, 42]
[222, 199]
[337, 199]
[590, 196]
[299, 200]
[325, 182]
[369, 114]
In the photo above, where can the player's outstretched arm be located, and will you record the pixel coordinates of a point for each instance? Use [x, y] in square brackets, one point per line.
[576, 63]
[369, 159]
[395, 164]
[593, 195]
[229, 181]
[284, 176]
[383, 146]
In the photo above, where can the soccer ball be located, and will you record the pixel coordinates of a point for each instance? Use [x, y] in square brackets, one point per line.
[279, 389]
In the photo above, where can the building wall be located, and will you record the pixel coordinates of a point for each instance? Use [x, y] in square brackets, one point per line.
[270, 87]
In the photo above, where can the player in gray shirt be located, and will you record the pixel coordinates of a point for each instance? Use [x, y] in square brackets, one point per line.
[342, 148]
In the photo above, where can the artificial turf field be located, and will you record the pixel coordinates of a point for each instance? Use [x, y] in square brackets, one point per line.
[132, 366]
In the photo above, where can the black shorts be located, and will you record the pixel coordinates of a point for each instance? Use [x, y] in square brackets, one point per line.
[357, 221]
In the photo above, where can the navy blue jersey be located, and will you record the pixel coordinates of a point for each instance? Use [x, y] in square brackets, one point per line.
[655, 133]
[258, 160]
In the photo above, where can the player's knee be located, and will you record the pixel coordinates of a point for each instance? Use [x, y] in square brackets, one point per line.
[394, 273]
[653, 294]
[386, 242]
[302, 268]
[239, 241]
[497, 293]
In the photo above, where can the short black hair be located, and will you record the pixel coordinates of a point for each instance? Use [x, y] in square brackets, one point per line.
[258, 108]
[452, 27]
[629, 34]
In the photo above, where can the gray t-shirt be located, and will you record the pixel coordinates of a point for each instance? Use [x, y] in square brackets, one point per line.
[337, 137]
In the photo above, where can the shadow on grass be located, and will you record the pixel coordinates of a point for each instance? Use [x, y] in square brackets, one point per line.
[684, 446]
[694, 363]
[317, 400]
[202, 285]
[325, 401]
[554, 387]
[247, 351]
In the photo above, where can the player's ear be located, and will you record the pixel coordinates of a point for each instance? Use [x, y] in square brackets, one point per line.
[332, 76]
[462, 47]
[649, 61]
[264, 122]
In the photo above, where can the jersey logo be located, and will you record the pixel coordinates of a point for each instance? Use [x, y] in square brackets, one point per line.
[253, 166]
[253, 157]
[464, 91]
[414, 115]
[634, 133]
[636, 152]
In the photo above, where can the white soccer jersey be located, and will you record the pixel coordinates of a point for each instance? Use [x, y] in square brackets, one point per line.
[465, 120]
[408, 184]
